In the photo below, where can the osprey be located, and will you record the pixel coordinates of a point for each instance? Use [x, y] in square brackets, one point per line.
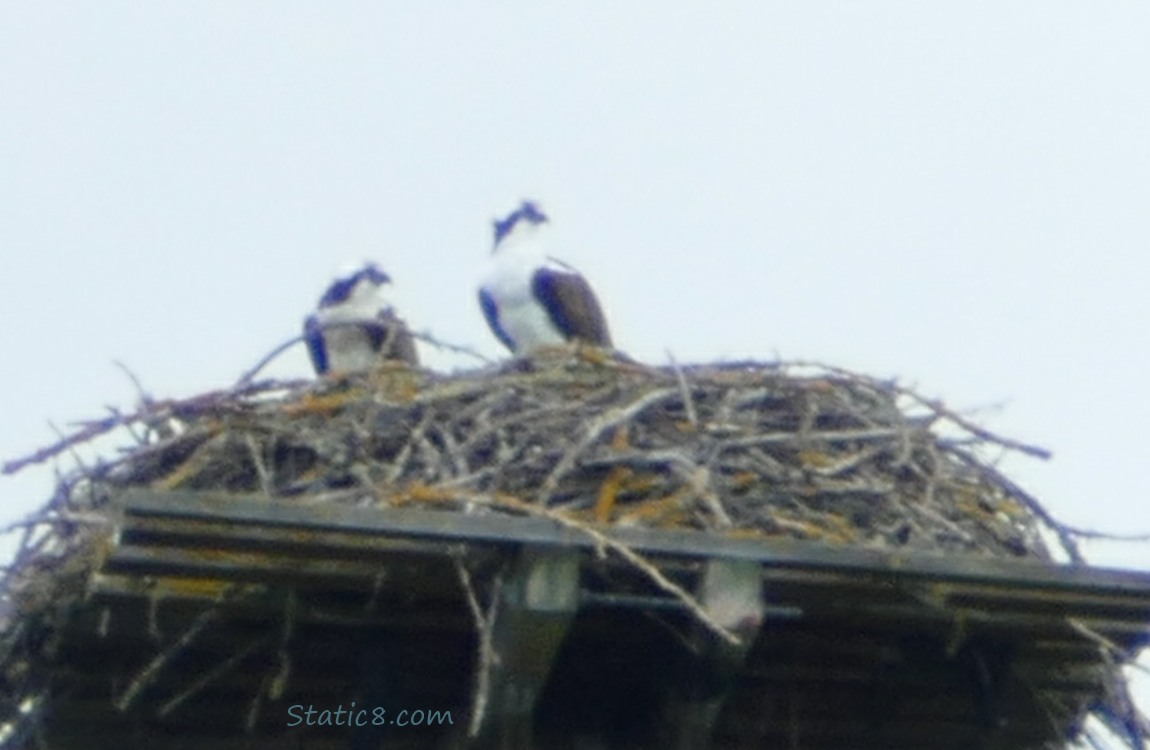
[531, 300]
[354, 328]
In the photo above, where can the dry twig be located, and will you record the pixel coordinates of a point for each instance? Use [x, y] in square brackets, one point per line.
[154, 667]
[484, 620]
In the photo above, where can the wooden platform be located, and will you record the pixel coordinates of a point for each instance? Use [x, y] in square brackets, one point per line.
[214, 615]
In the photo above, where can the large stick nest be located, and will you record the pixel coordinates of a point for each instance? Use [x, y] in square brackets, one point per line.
[796, 451]
[830, 456]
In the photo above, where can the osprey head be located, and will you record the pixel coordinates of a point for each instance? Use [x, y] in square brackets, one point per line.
[528, 214]
[356, 283]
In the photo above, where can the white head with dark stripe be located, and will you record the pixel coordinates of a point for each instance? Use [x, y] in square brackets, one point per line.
[518, 227]
[354, 327]
[355, 293]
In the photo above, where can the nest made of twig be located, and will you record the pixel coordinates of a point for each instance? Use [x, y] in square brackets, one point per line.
[748, 449]
[829, 456]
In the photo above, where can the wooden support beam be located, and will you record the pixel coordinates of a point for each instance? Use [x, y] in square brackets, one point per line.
[1123, 587]
[731, 591]
[537, 606]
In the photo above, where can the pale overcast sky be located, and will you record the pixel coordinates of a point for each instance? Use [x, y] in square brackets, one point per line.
[954, 193]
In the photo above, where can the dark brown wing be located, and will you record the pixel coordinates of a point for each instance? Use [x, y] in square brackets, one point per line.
[572, 305]
[392, 338]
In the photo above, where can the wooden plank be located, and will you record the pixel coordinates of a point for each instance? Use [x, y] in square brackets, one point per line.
[894, 565]
[122, 595]
[300, 541]
[841, 600]
[239, 566]
[302, 546]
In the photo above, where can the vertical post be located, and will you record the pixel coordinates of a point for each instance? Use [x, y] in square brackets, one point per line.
[537, 606]
[731, 591]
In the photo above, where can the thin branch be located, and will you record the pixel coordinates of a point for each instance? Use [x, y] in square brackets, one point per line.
[699, 480]
[594, 432]
[399, 463]
[688, 401]
[83, 436]
[933, 405]
[1110, 647]
[253, 714]
[280, 681]
[76, 457]
[1109, 536]
[213, 674]
[149, 673]
[266, 483]
[485, 647]
[57, 518]
[266, 360]
[143, 394]
[427, 337]
[158, 409]
[826, 436]
[1069, 544]
[631, 556]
